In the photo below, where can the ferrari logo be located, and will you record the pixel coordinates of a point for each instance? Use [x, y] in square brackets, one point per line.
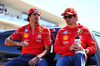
[40, 30]
[80, 31]
[66, 9]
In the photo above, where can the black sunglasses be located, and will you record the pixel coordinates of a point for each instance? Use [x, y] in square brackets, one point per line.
[69, 16]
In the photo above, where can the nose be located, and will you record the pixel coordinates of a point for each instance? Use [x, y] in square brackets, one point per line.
[37, 15]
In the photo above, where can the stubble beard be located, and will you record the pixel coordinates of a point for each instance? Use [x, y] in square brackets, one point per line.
[68, 22]
[36, 20]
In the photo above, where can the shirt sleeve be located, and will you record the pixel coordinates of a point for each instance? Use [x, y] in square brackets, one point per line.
[58, 48]
[91, 43]
[17, 34]
[47, 37]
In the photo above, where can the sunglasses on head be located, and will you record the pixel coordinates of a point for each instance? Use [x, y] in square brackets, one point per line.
[36, 14]
[69, 16]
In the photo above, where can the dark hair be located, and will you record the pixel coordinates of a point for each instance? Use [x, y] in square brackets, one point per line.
[29, 16]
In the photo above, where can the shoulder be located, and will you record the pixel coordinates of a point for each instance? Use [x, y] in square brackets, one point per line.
[44, 28]
[22, 28]
[85, 30]
[61, 29]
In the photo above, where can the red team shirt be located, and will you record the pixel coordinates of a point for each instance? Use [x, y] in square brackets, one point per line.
[37, 38]
[66, 37]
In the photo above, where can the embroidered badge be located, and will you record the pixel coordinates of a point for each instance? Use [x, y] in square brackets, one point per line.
[40, 30]
[39, 35]
[65, 42]
[67, 9]
[65, 32]
[26, 35]
[65, 37]
[80, 31]
[26, 30]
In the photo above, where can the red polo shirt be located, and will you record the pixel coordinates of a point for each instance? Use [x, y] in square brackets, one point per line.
[37, 38]
[66, 37]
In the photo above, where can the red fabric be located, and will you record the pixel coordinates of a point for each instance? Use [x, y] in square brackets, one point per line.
[69, 11]
[66, 36]
[53, 37]
[32, 10]
[37, 38]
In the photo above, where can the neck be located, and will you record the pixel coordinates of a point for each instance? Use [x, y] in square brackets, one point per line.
[33, 25]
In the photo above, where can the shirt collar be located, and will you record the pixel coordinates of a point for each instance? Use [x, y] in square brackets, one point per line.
[79, 26]
[29, 26]
[37, 27]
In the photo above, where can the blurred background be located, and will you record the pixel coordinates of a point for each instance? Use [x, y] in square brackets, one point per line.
[13, 13]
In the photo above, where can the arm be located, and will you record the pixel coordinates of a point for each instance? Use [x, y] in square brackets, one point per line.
[47, 48]
[47, 43]
[11, 42]
[91, 44]
[46, 51]
[58, 48]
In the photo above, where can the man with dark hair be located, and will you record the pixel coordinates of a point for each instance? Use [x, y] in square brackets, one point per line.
[35, 42]
[73, 42]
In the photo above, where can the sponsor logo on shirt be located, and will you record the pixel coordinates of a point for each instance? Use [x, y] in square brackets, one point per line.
[65, 32]
[26, 40]
[26, 35]
[80, 31]
[80, 36]
[40, 30]
[65, 42]
[26, 30]
[65, 37]
[38, 40]
[39, 35]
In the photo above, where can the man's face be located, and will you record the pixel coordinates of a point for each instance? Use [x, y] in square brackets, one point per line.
[70, 19]
[35, 17]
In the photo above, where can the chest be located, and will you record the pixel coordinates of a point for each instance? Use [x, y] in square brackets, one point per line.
[32, 35]
[68, 36]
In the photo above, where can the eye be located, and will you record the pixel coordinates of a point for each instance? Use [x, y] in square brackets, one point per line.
[34, 14]
[38, 14]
